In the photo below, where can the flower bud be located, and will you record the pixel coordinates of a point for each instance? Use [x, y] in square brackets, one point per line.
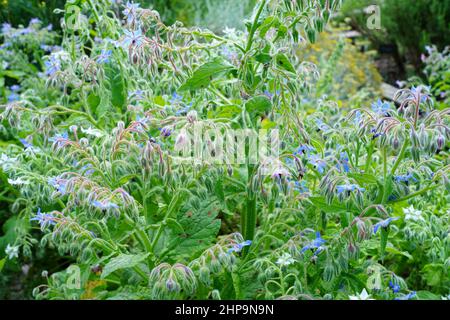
[440, 142]
[166, 132]
[354, 251]
[215, 266]
[414, 138]
[172, 285]
[311, 34]
[423, 136]
[204, 275]
[262, 278]
[181, 141]
[84, 142]
[319, 23]
[192, 116]
[363, 233]
[395, 143]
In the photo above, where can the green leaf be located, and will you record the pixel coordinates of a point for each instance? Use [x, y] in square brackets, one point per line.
[258, 105]
[427, 295]
[14, 74]
[321, 203]
[175, 226]
[116, 86]
[269, 22]
[227, 111]
[363, 178]
[123, 261]
[263, 58]
[2, 264]
[93, 101]
[433, 273]
[283, 62]
[393, 250]
[200, 229]
[202, 77]
[218, 188]
[384, 240]
[267, 124]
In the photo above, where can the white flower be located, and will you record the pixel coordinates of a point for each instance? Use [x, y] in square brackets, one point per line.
[93, 132]
[285, 260]
[18, 181]
[12, 251]
[362, 296]
[413, 214]
[6, 162]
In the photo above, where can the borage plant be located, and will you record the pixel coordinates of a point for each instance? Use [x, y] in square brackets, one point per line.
[99, 170]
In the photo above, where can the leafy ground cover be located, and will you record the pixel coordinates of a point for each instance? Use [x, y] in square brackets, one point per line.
[98, 205]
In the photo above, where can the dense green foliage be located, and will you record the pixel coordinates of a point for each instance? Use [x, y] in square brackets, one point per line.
[355, 205]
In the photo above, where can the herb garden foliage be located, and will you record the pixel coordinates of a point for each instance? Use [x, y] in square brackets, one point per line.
[358, 208]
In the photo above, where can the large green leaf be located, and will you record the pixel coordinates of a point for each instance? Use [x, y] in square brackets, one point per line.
[258, 105]
[123, 261]
[202, 77]
[200, 229]
[283, 63]
[115, 83]
[320, 202]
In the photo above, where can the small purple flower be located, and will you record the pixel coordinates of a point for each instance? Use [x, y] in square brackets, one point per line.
[132, 38]
[318, 162]
[87, 169]
[344, 161]
[13, 97]
[34, 21]
[394, 286]
[405, 178]
[59, 184]
[183, 110]
[422, 91]
[15, 88]
[304, 149]
[26, 31]
[301, 186]
[376, 134]
[357, 118]
[104, 205]
[59, 139]
[52, 66]
[26, 144]
[44, 219]
[6, 28]
[176, 98]
[322, 126]
[348, 188]
[166, 132]
[280, 172]
[130, 11]
[383, 224]
[229, 54]
[381, 107]
[136, 95]
[409, 296]
[317, 244]
[239, 246]
[104, 56]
